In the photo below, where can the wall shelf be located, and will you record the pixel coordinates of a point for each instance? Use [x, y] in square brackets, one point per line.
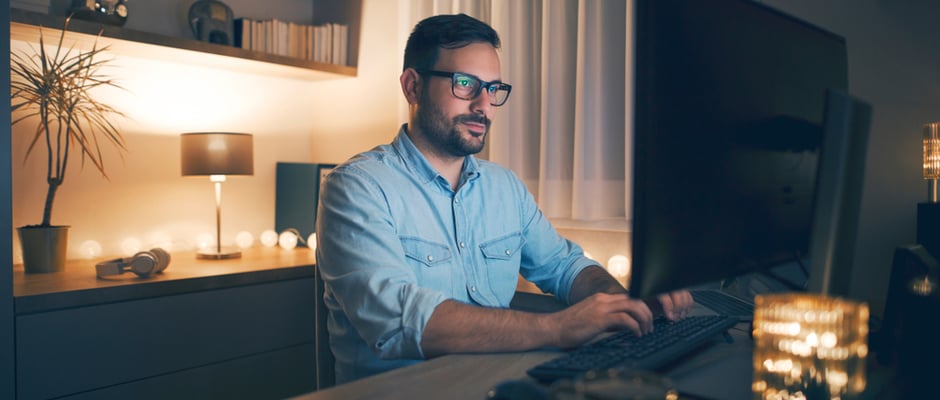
[26, 26]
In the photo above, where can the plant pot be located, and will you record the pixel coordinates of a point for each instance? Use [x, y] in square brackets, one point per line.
[44, 248]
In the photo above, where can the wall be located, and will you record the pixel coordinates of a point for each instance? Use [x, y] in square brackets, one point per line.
[894, 63]
[147, 199]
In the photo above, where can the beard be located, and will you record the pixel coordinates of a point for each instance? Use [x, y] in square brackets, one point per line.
[442, 132]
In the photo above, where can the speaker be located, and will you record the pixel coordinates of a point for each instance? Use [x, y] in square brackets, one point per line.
[907, 338]
[144, 264]
[928, 227]
[297, 194]
[211, 22]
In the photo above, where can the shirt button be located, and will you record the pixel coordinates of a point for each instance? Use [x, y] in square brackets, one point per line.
[508, 252]
[462, 245]
[456, 201]
[473, 288]
[430, 258]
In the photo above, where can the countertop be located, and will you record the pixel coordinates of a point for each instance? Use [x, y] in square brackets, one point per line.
[78, 285]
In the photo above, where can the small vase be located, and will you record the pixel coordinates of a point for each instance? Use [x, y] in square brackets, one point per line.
[45, 248]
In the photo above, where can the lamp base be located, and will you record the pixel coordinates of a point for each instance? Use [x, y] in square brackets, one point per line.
[209, 254]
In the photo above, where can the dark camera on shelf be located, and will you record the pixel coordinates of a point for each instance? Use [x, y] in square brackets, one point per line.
[111, 12]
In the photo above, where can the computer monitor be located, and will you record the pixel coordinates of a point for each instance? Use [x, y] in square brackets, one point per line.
[730, 123]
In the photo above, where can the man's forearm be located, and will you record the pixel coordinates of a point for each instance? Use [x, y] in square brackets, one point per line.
[455, 327]
[591, 280]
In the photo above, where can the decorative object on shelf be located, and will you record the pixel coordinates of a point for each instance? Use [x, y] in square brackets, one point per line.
[212, 21]
[809, 346]
[931, 142]
[244, 240]
[928, 213]
[216, 154]
[269, 238]
[53, 89]
[144, 264]
[111, 12]
[288, 239]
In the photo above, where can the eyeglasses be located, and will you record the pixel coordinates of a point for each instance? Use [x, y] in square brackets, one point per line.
[468, 87]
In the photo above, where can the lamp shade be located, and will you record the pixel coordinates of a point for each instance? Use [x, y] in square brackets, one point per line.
[216, 153]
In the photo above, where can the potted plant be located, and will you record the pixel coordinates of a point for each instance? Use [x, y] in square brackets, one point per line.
[53, 89]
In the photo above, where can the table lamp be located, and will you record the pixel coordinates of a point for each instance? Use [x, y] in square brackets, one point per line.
[216, 154]
[928, 213]
[931, 142]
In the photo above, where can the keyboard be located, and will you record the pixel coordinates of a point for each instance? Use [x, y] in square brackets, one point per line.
[724, 303]
[668, 342]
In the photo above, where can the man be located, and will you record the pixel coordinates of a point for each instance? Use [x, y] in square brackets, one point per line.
[421, 244]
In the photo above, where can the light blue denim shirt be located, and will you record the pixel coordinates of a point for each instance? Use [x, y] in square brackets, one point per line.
[394, 241]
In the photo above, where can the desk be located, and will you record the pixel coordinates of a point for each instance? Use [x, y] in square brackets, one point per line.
[720, 370]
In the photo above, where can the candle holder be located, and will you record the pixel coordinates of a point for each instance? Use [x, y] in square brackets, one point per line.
[809, 346]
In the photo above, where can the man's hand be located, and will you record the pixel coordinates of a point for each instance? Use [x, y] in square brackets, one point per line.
[600, 313]
[673, 305]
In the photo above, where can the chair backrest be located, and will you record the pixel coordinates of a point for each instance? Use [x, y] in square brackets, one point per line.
[324, 357]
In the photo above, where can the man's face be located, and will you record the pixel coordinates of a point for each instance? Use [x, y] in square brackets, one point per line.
[456, 127]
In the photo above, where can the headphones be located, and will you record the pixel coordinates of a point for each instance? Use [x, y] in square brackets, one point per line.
[144, 264]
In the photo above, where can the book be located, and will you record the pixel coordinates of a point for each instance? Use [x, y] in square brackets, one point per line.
[242, 31]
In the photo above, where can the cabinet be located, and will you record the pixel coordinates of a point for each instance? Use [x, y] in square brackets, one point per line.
[242, 328]
[25, 26]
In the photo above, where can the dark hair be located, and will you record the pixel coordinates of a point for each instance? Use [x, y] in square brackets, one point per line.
[444, 31]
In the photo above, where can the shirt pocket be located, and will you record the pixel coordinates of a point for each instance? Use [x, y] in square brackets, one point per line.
[430, 262]
[503, 256]
[425, 252]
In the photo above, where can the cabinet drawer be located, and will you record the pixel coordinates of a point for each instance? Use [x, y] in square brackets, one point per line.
[69, 351]
[275, 375]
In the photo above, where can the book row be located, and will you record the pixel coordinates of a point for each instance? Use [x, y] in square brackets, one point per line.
[325, 43]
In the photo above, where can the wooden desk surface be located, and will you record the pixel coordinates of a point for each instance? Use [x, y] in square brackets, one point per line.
[78, 285]
[453, 377]
[721, 370]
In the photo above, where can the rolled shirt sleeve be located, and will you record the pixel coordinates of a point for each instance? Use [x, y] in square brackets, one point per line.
[361, 256]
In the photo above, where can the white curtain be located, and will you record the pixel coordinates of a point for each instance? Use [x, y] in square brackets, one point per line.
[565, 130]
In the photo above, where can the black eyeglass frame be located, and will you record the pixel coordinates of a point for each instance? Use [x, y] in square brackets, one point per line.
[483, 84]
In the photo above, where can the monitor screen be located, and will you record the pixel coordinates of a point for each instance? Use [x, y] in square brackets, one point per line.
[730, 98]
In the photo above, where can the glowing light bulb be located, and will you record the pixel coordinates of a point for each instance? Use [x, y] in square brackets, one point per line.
[287, 240]
[269, 238]
[205, 241]
[312, 241]
[619, 267]
[244, 239]
[91, 249]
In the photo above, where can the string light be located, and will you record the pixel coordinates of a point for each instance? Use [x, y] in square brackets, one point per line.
[269, 238]
[244, 239]
[287, 240]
